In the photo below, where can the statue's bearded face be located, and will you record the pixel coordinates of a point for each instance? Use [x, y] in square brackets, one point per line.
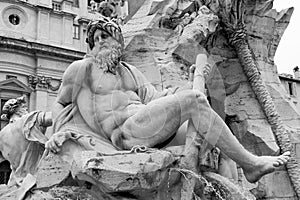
[107, 50]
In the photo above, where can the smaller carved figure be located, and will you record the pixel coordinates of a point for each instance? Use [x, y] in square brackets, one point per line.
[22, 139]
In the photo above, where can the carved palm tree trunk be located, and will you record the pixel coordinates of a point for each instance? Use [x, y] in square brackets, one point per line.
[238, 39]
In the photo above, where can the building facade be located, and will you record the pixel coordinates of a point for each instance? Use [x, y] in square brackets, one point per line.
[38, 40]
[291, 83]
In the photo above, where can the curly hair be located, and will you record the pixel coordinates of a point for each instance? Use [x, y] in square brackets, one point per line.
[10, 107]
[107, 25]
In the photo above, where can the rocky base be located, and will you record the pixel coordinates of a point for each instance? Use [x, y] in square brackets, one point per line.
[150, 175]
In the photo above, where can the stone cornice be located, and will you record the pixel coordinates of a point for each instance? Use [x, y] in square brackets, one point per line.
[84, 20]
[34, 47]
[288, 79]
[14, 85]
[60, 12]
[20, 3]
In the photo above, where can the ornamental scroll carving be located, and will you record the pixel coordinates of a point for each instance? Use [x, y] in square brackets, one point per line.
[43, 82]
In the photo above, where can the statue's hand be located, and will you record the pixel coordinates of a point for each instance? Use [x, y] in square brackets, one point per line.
[56, 141]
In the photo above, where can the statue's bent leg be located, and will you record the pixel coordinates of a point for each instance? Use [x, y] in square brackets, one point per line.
[158, 120]
[161, 118]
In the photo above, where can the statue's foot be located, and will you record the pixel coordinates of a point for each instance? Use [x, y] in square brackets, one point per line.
[265, 165]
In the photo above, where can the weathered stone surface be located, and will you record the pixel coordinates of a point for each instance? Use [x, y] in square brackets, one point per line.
[52, 171]
[8, 193]
[194, 33]
[268, 186]
[265, 28]
[65, 193]
[225, 188]
[247, 122]
[124, 172]
[285, 107]
[284, 190]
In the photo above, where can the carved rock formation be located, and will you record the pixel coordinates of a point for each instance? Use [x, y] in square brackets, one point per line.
[170, 51]
[124, 172]
[152, 175]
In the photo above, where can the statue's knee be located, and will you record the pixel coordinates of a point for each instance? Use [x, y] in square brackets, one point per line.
[196, 97]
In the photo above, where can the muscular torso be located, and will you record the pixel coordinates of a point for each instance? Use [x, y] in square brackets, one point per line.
[106, 100]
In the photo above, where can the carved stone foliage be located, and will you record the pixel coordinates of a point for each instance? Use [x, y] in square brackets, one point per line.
[43, 82]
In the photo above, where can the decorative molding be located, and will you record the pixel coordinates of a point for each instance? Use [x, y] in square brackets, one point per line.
[18, 12]
[13, 84]
[34, 47]
[16, 68]
[288, 77]
[42, 82]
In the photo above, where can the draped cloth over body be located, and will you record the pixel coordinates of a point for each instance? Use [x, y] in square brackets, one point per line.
[22, 143]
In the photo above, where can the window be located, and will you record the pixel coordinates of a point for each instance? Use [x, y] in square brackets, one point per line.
[76, 3]
[291, 88]
[11, 76]
[56, 6]
[14, 19]
[76, 32]
[4, 172]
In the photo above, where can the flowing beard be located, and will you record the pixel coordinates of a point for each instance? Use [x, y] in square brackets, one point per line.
[108, 57]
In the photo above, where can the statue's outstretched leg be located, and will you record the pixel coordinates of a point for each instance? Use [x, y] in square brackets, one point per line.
[159, 119]
[218, 134]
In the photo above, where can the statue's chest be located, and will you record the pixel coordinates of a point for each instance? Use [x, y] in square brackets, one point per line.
[105, 82]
